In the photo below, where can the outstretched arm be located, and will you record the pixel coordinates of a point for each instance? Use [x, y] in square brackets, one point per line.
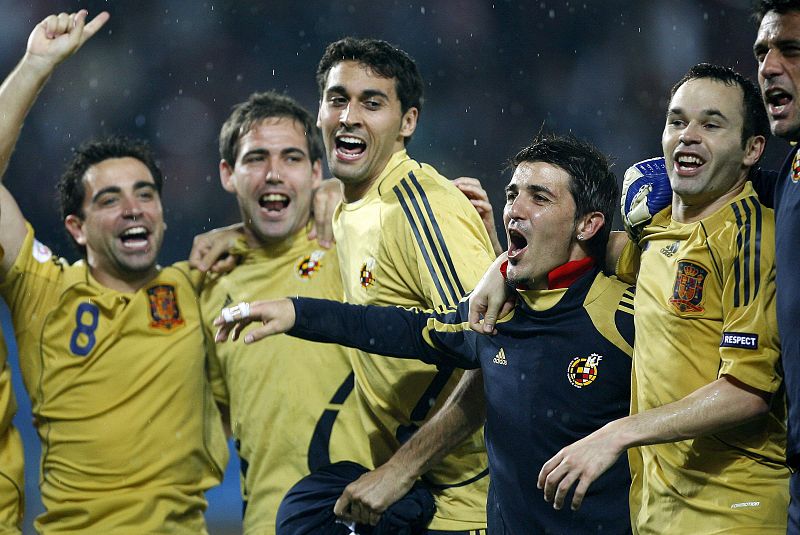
[52, 41]
[365, 499]
[720, 405]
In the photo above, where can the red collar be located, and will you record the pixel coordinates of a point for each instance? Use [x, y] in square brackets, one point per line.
[561, 277]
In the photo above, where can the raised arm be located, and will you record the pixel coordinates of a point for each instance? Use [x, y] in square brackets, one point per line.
[52, 41]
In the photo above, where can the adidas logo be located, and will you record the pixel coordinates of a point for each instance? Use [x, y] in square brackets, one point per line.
[500, 358]
[670, 249]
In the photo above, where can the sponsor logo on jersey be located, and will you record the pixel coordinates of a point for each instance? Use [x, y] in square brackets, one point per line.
[687, 293]
[582, 371]
[670, 249]
[367, 274]
[500, 358]
[164, 311]
[310, 264]
[41, 252]
[740, 340]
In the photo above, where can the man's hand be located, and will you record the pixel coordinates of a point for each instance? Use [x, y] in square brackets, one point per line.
[365, 499]
[491, 299]
[645, 192]
[326, 198]
[210, 250]
[471, 187]
[276, 317]
[57, 37]
[582, 462]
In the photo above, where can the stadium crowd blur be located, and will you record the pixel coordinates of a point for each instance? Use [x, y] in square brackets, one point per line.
[170, 70]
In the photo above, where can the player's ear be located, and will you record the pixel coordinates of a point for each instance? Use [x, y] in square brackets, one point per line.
[316, 173]
[226, 176]
[74, 226]
[753, 150]
[589, 225]
[409, 122]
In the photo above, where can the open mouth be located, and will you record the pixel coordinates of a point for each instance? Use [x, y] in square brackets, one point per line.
[688, 163]
[135, 238]
[349, 147]
[517, 243]
[273, 202]
[776, 99]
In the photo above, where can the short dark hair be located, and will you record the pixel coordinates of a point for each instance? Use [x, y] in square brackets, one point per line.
[755, 121]
[762, 7]
[266, 105]
[381, 58]
[593, 185]
[70, 185]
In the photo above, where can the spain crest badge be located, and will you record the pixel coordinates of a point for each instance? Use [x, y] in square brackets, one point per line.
[687, 293]
[367, 274]
[164, 311]
[310, 264]
[582, 371]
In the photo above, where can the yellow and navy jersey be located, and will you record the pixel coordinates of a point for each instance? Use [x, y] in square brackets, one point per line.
[11, 455]
[414, 240]
[705, 308]
[557, 370]
[290, 400]
[131, 436]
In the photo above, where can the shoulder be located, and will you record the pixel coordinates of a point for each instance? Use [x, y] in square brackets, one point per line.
[609, 303]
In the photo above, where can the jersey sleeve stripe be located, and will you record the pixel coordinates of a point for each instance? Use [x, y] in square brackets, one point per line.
[737, 268]
[748, 258]
[757, 247]
[425, 255]
[453, 274]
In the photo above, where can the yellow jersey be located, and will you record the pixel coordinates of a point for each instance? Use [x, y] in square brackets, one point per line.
[414, 240]
[290, 400]
[705, 307]
[131, 436]
[12, 457]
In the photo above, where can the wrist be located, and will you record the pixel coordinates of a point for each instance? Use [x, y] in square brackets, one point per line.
[36, 66]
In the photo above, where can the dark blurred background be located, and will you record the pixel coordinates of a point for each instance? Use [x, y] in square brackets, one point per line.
[496, 72]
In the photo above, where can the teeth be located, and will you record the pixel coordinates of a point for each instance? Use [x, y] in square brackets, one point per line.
[353, 140]
[274, 197]
[690, 160]
[134, 231]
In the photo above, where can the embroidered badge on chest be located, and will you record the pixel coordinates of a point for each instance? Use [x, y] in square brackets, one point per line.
[582, 371]
[367, 274]
[310, 264]
[687, 293]
[164, 311]
[796, 167]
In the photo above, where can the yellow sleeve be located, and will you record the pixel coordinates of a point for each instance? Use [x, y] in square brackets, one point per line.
[749, 348]
[440, 241]
[628, 263]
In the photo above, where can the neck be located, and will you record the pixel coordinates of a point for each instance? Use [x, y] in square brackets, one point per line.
[685, 210]
[356, 192]
[126, 283]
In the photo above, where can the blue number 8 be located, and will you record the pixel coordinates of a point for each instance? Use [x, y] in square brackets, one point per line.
[86, 329]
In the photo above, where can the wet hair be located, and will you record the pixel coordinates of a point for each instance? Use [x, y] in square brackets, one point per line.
[267, 105]
[381, 58]
[762, 7]
[755, 121]
[70, 186]
[593, 185]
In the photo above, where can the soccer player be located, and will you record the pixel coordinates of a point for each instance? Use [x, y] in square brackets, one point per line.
[405, 236]
[287, 417]
[557, 370]
[705, 416]
[779, 77]
[111, 348]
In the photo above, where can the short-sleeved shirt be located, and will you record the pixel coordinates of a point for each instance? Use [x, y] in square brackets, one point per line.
[415, 240]
[291, 403]
[131, 436]
[705, 308]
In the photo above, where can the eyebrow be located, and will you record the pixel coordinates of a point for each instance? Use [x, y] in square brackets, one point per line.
[708, 112]
[530, 188]
[287, 150]
[367, 93]
[116, 189]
